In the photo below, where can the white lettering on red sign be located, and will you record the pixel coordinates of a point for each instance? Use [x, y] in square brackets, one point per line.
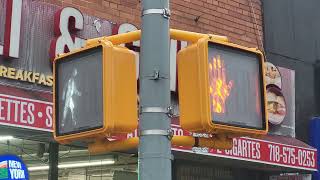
[256, 150]
[249, 149]
[291, 155]
[27, 113]
[66, 22]
[245, 148]
[12, 29]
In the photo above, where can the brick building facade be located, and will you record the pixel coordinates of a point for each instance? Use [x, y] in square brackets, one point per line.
[240, 20]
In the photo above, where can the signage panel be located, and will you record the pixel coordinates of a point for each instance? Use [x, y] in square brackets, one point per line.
[13, 168]
[281, 100]
[278, 153]
[45, 29]
[25, 112]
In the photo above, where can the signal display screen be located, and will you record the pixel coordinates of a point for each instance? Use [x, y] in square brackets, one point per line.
[235, 87]
[79, 102]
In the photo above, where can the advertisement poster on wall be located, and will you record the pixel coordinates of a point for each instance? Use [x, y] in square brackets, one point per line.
[280, 100]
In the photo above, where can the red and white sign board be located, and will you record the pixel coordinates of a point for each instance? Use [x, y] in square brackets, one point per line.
[262, 151]
[26, 113]
[253, 150]
[256, 150]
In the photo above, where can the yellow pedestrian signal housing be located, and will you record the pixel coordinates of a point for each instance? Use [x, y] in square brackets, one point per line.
[222, 89]
[95, 92]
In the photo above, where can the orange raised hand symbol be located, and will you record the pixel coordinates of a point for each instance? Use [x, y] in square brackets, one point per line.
[219, 88]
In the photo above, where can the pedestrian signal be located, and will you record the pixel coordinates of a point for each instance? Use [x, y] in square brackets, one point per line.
[221, 88]
[95, 92]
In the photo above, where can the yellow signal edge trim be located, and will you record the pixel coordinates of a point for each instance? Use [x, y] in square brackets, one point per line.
[205, 97]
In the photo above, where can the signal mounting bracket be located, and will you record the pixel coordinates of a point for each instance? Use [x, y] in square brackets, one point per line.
[168, 133]
[168, 110]
[164, 12]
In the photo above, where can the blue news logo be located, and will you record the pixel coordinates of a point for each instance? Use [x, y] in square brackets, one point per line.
[12, 168]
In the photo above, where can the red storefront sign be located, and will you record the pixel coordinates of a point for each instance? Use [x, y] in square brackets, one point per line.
[254, 150]
[24, 112]
[262, 151]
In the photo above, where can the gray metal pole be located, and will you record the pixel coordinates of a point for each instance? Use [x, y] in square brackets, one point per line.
[53, 161]
[154, 124]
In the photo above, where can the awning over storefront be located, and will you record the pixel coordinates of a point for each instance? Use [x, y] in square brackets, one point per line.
[269, 153]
